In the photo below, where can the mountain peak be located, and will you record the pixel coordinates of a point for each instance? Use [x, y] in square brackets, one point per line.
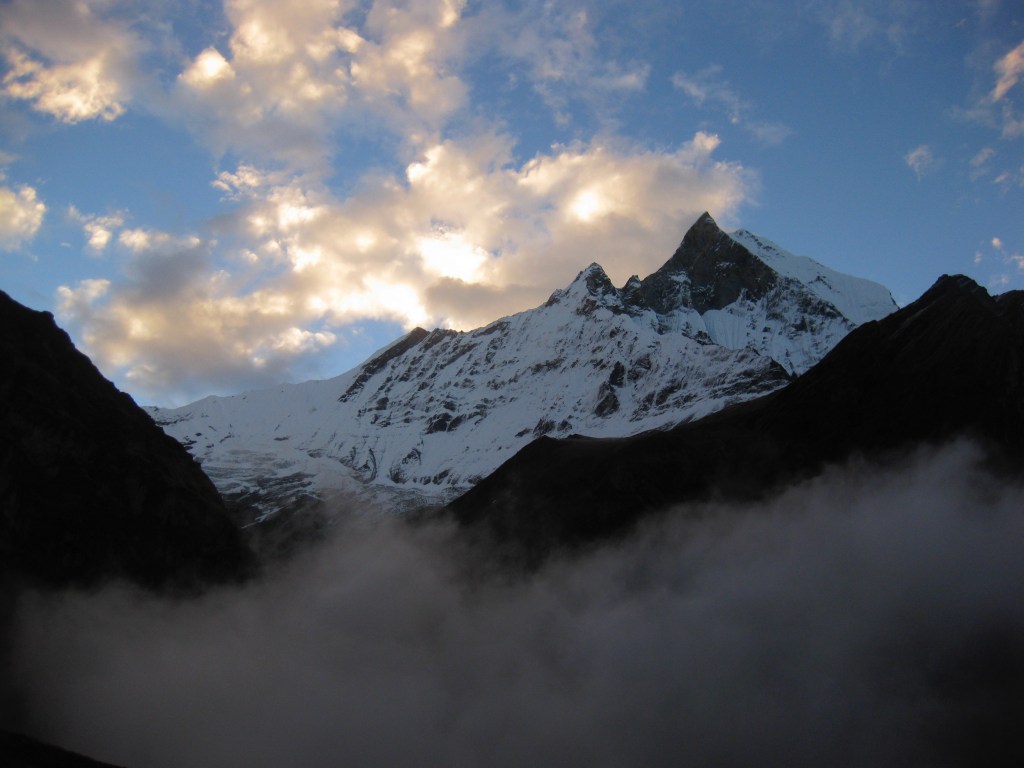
[709, 270]
[953, 285]
[596, 281]
[705, 221]
[590, 284]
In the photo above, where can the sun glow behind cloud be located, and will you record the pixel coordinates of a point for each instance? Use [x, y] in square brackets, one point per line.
[449, 254]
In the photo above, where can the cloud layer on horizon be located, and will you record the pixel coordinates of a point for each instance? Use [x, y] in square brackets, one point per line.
[871, 616]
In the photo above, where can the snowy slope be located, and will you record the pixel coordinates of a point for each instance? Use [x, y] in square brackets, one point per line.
[436, 411]
[859, 300]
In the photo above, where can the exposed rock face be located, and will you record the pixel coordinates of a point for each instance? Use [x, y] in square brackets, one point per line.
[90, 487]
[950, 364]
[728, 318]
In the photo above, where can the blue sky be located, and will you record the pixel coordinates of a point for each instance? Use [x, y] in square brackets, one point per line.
[213, 197]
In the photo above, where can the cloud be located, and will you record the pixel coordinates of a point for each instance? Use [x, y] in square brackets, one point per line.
[981, 163]
[198, 322]
[21, 215]
[707, 87]
[855, 24]
[292, 74]
[556, 49]
[1010, 178]
[920, 160]
[464, 221]
[1009, 258]
[99, 230]
[769, 133]
[1009, 69]
[996, 108]
[67, 61]
[866, 617]
[982, 157]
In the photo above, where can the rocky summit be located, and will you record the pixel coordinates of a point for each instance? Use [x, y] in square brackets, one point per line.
[728, 318]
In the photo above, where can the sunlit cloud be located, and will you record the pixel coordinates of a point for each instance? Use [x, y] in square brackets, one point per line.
[99, 230]
[142, 240]
[461, 237]
[21, 215]
[208, 68]
[69, 93]
[449, 254]
[291, 73]
[67, 61]
[1009, 69]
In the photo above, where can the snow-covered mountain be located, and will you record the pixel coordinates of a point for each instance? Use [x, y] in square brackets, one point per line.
[727, 318]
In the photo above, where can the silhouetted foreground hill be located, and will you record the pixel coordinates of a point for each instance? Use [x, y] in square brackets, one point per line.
[90, 487]
[18, 751]
[950, 364]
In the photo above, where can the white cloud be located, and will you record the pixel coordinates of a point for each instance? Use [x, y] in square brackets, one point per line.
[920, 160]
[21, 215]
[66, 60]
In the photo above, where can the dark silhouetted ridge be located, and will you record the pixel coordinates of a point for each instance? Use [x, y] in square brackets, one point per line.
[90, 487]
